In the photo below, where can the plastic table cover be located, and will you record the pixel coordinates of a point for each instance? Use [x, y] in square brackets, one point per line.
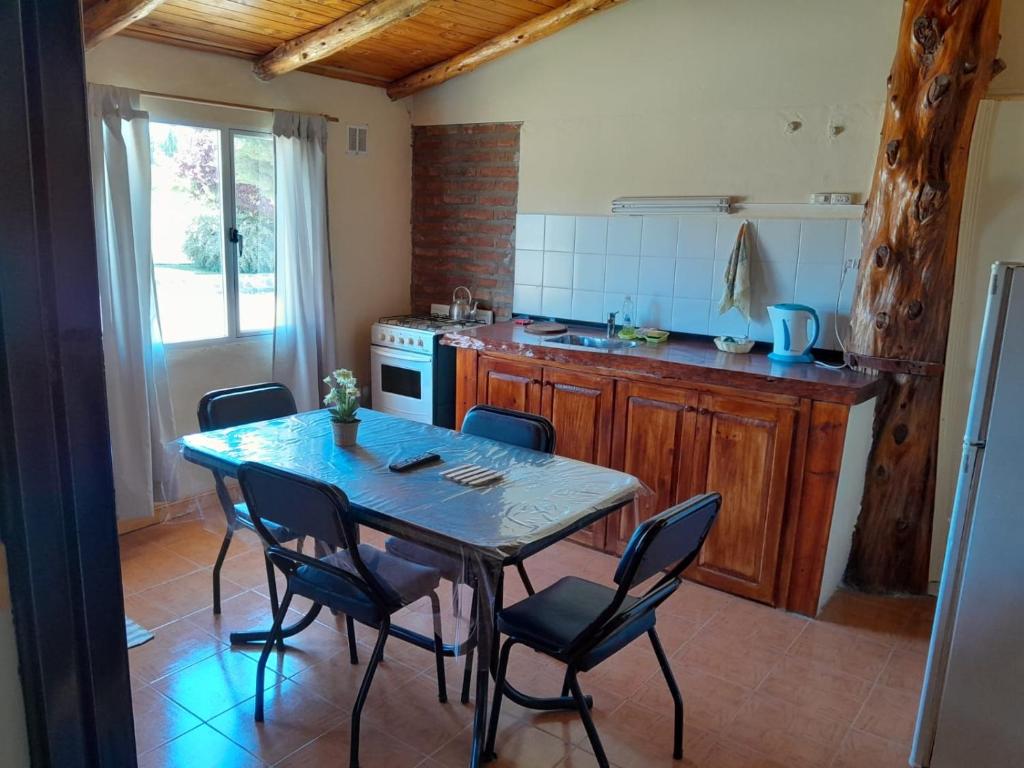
[539, 499]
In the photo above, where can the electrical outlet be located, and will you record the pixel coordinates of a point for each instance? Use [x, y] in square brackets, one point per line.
[842, 198]
[821, 198]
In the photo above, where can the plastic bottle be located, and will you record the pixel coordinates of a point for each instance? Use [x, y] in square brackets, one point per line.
[628, 326]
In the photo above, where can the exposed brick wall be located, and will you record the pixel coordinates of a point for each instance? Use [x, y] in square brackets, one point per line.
[465, 183]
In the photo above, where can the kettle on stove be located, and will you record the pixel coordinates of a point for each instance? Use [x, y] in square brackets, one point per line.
[795, 329]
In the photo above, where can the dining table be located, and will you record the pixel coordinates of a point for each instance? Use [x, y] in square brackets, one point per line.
[532, 501]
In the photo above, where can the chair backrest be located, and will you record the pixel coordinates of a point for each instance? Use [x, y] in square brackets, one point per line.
[666, 543]
[671, 538]
[308, 507]
[524, 430]
[232, 407]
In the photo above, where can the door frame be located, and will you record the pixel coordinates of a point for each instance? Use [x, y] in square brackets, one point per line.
[57, 517]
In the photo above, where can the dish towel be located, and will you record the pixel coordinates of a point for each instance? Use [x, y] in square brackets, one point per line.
[737, 276]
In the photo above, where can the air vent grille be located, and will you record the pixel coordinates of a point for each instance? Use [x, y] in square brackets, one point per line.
[357, 139]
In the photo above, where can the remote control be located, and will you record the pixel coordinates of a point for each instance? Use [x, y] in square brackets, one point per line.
[404, 465]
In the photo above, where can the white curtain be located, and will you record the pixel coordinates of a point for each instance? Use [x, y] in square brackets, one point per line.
[304, 317]
[138, 395]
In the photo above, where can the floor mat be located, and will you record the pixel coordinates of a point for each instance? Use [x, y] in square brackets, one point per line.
[137, 635]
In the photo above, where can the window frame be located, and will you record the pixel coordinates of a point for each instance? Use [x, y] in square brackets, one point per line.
[228, 130]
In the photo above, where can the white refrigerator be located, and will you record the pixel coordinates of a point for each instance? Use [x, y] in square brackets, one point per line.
[972, 705]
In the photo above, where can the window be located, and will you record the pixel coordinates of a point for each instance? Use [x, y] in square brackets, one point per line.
[212, 231]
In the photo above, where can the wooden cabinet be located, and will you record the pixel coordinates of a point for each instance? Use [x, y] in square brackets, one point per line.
[743, 450]
[682, 437]
[653, 440]
[580, 405]
[509, 384]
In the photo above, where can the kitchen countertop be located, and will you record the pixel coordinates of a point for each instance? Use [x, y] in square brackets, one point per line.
[685, 357]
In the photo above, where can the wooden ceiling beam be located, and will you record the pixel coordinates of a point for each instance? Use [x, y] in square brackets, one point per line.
[526, 33]
[343, 33]
[108, 17]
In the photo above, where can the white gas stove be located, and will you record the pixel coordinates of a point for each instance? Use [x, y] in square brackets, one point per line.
[413, 376]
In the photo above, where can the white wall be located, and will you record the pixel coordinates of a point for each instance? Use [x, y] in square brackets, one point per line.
[990, 231]
[688, 97]
[13, 737]
[368, 198]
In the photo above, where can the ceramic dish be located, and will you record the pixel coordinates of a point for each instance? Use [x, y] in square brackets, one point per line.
[733, 345]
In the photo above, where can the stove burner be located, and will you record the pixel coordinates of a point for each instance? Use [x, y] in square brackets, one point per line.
[436, 323]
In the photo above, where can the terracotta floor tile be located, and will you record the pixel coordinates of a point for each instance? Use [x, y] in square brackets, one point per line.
[243, 611]
[697, 603]
[202, 546]
[413, 711]
[725, 754]
[877, 618]
[202, 747]
[175, 646]
[338, 680]
[768, 627]
[147, 612]
[214, 685]
[158, 719]
[376, 748]
[744, 662]
[890, 714]
[710, 702]
[293, 717]
[247, 567]
[675, 631]
[189, 593]
[314, 644]
[151, 565]
[634, 736]
[518, 745]
[817, 688]
[786, 732]
[862, 750]
[904, 671]
[842, 650]
[627, 671]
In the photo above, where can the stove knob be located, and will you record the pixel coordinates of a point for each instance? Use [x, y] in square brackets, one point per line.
[383, 336]
[391, 338]
[401, 340]
[419, 342]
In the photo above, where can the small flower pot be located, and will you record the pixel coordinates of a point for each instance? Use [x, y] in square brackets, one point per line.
[345, 432]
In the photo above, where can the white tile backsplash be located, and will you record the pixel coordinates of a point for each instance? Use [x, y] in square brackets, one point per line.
[624, 234]
[621, 274]
[588, 271]
[657, 276]
[530, 232]
[529, 267]
[526, 299]
[591, 234]
[557, 270]
[583, 267]
[822, 241]
[559, 233]
[659, 236]
[556, 302]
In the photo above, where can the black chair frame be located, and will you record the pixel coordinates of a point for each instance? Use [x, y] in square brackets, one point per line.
[613, 619]
[364, 581]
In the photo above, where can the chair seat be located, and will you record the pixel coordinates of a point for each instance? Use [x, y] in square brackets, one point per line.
[279, 532]
[449, 566]
[551, 619]
[408, 582]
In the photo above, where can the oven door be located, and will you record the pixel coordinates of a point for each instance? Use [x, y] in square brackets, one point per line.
[403, 383]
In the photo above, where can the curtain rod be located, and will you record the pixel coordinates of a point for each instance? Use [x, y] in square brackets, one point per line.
[215, 103]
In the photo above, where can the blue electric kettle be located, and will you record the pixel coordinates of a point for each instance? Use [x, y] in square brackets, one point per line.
[795, 329]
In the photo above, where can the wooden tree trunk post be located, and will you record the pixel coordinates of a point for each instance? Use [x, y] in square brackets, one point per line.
[945, 59]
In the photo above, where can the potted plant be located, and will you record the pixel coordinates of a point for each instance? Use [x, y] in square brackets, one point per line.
[343, 402]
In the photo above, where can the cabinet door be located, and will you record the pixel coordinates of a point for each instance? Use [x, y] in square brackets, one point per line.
[746, 449]
[653, 439]
[580, 405]
[509, 384]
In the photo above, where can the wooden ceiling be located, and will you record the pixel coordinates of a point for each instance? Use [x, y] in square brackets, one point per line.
[402, 45]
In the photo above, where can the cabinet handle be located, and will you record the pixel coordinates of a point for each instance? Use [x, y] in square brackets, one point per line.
[688, 408]
[538, 382]
[703, 411]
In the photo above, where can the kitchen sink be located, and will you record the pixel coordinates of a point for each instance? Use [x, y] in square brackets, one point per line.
[594, 342]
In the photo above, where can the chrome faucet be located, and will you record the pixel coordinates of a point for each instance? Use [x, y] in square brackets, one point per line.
[611, 324]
